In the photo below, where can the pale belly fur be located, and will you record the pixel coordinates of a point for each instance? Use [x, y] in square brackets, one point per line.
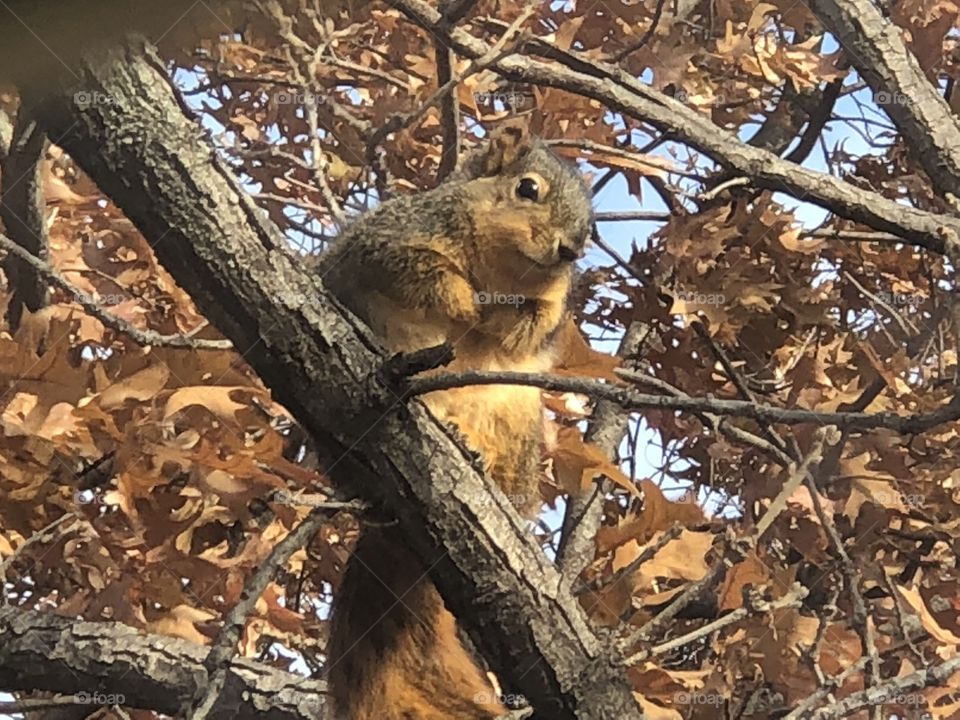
[484, 413]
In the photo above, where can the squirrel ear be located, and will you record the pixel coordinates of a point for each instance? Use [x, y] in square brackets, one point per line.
[508, 143]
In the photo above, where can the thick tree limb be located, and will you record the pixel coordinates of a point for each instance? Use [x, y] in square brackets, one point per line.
[42, 651]
[156, 165]
[875, 47]
[619, 92]
[23, 214]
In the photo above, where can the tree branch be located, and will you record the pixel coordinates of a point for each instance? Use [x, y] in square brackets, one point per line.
[875, 47]
[635, 401]
[42, 651]
[889, 690]
[43, 535]
[584, 511]
[792, 599]
[24, 214]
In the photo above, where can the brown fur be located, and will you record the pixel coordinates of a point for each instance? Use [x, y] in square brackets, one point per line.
[416, 270]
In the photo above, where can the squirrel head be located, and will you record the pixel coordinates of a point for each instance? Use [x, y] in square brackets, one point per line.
[527, 202]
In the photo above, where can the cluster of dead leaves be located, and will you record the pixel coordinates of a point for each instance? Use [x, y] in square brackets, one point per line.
[174, 462]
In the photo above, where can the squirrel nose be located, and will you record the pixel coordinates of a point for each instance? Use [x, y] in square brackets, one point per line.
[567, 253]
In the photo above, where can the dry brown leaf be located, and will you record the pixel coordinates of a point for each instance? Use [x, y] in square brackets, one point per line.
[142, 385]
[913, 598]
[216, 398]
[576, 357]
[576, 463]
[181, 621]
[658, 514]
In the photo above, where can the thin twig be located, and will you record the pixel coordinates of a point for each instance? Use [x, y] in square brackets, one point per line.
[217, 662]
[634, 401]
[631, 215]
[449, 103]
[495, 53]
[792, 599]
[582, 515]
[306, 81]
[43, 535]
[645, 38]
[736, 548]
[733, 553]
[860, 618]
[648, 553]
[617, 258]
[813, 456]
[718, 424]
[803, 709]
[144, 337]
[906, 326]
[888, 690]
[732, 182]
[740, 383]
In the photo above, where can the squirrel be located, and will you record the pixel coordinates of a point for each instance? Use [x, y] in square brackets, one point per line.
[484, 262]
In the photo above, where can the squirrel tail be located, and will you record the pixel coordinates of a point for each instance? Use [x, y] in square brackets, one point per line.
[394, 652]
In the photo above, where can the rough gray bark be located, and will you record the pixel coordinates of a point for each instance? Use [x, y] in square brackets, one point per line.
[156, 164]
[42, 651]
[22, 211]
[875, 47]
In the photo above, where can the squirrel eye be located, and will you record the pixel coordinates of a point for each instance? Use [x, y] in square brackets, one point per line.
[528, 188]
